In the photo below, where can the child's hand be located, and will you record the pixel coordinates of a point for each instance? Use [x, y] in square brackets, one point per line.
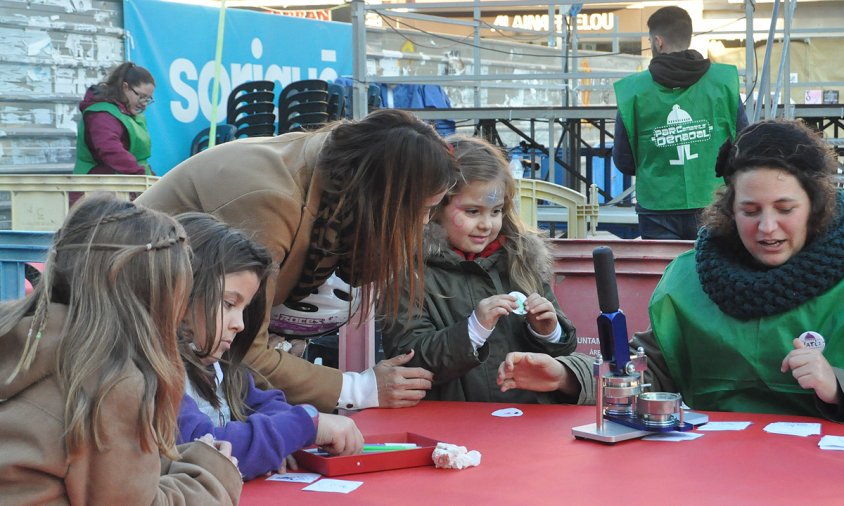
[812, 371]
[338, 435]
[531, 371]
[489, 310]
[223, 447]
[288, 464]
[541, 315]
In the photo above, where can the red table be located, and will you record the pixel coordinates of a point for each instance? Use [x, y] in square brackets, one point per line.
[533, 459]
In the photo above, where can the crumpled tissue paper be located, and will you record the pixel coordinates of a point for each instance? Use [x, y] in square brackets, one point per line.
[449, 456]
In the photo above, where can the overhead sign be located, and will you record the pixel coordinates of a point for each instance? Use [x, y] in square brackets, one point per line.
[177, 42]
[586, 22]
[320, 14]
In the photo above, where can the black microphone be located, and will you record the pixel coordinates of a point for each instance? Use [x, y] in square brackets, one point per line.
[605, 279]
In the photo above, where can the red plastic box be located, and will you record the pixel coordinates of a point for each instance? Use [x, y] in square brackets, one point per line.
[370, 462]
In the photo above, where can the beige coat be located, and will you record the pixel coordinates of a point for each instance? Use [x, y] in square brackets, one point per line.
[264, 185]
[35, 467]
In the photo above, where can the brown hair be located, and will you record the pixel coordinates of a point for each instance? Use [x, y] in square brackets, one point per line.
[218, 250]
[383, 169]
[781, 144]
[480, 161]
[124, 273]
[112, 88]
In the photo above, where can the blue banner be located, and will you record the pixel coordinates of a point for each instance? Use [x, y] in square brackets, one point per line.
[176, 43]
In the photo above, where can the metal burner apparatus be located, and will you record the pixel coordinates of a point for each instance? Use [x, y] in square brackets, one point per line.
[623, 409]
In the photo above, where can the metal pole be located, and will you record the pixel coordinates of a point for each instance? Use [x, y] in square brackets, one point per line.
[360, 105]
[764, 86]
[476, 51]
[749, 56]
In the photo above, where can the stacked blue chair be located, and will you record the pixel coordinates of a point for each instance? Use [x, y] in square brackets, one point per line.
[303, 105]
[251, 108]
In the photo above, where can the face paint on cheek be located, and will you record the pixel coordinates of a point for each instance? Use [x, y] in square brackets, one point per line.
[457, 218]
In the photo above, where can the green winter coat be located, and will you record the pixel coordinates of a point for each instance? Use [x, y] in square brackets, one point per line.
[440, 334]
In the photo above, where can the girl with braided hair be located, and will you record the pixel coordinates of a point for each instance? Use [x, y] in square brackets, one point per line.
[112, 137]
[226, 309]
[729, 319]
[90, 373]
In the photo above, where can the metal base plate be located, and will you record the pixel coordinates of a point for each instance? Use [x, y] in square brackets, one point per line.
[616, 432]
[695, 418]
[611, 433]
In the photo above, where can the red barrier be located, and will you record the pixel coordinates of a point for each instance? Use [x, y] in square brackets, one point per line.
[638, 266]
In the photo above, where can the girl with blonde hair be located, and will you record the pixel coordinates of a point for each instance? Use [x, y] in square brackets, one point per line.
[478, 252]
[90, 374]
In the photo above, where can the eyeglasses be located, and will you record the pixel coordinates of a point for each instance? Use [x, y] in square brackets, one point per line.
[142, 98]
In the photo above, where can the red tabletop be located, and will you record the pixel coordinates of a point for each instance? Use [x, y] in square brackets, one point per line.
[534, 459]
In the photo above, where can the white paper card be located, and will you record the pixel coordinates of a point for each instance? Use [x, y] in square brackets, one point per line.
[718, 426]
[507, 412]
[329, 485]
[794, 428]
[673, 436]
[831, 443]
[295, 477]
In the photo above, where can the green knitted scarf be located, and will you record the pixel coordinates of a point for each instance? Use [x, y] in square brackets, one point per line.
[745, 290]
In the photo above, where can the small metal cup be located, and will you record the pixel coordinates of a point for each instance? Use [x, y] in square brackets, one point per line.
[657, 409]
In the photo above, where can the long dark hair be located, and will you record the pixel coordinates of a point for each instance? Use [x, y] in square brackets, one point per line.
[218, 250]
[383, 168]
[112, 88]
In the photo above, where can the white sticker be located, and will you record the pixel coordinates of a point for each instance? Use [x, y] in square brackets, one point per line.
[520, 300]
[813, 340]
[507, 412]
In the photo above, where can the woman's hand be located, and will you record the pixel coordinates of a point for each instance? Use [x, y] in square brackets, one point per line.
[812, 371]
[541, 315]
[489, 310]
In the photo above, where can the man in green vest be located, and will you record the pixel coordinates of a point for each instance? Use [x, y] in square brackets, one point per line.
[671, 120]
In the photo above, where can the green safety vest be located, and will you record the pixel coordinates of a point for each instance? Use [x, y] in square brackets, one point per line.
[723, 364]
[675, 135]
[140, 144]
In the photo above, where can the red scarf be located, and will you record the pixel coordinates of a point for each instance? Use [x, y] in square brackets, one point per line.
[491, 248]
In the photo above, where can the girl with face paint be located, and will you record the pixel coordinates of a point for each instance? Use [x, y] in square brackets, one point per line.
[478, 255]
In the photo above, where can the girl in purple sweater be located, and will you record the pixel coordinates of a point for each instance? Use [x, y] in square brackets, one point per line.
[226, 309]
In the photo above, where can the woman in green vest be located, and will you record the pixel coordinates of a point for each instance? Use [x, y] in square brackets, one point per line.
[729, 319]
[112, 136]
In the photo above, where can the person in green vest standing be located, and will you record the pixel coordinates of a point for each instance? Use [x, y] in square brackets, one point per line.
[112, 136]
[671, 120]
[750, 320]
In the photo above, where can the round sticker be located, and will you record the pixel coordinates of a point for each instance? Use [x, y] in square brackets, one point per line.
[520, 300]
[812, 340]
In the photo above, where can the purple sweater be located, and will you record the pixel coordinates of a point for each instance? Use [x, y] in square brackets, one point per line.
[273, 430]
